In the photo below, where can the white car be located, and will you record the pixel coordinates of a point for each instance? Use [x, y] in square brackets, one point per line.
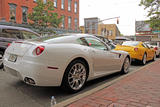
[155, 46]
[67, 60]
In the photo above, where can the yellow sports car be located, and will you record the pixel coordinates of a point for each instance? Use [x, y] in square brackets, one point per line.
[138, 50]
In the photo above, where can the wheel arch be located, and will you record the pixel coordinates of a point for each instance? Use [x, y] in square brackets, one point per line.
[143, 55]
[77, 58]
[2, 50]
[129, 58]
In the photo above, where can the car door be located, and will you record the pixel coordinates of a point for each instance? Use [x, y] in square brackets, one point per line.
[149, 51]
[104, 61]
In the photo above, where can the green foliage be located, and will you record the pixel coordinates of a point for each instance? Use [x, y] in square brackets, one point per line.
[153, 7]
[42, 16]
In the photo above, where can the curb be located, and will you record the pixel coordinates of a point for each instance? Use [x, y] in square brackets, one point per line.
[78, 97]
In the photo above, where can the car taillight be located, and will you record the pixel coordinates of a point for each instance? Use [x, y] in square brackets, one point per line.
[155, 48]
[9, 44]
[39, 50]
[135, 49]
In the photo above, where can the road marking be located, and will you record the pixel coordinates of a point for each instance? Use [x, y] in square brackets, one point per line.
[77, 97]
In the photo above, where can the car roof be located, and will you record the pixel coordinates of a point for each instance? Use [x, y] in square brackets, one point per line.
[66, 37]
[17, 28]
[77, 35]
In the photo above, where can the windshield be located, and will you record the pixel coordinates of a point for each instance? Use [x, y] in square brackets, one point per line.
[29, 35]
[130, 43]
[9, 33]
[17, 34]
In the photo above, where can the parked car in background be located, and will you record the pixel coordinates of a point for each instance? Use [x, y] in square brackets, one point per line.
[107, 41]
[8, 34]
[138, 50]
[155, 46]
[63, 60]
[120, 39]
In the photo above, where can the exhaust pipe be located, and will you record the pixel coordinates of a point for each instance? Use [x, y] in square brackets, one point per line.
[29, 81]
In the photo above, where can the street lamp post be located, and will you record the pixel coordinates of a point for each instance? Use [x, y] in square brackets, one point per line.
[110, 19]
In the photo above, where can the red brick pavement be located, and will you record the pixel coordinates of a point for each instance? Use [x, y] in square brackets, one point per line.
[141, 89]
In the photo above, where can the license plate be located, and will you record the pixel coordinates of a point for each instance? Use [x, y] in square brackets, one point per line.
[12, 58]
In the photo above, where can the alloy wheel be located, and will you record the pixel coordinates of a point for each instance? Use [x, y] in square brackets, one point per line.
[126, 65]
[77, 76]
[144, 59]
[1, 63]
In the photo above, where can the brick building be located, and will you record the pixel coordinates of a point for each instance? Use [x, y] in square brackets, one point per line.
[91, 25]
[95, 26]
[16, 11]
[109, 31]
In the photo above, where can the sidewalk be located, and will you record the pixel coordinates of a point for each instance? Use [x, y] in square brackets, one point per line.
[141, 89]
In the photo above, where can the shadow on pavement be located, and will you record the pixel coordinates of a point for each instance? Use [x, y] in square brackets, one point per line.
[42, 95]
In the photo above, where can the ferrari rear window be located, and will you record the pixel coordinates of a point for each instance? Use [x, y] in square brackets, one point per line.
[54, 39]
[130, 43]
[46, 38]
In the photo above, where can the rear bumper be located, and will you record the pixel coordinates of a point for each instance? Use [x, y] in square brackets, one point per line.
[135, 56]
[36, 71]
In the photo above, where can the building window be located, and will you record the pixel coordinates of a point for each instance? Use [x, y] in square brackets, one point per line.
[75, 7]
[69, 22]
[76, 23]
[44, 1]
[24, 14]
[55, 3]
[110, 33]
[69, 5]
[63, 22]
[62, 4]
[12, 12]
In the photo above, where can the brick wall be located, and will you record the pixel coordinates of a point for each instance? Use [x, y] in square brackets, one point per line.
[109, 28]
[5, 10]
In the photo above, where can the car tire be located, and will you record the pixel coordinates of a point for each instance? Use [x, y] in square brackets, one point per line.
[144, 60]
[1, 64]
[75, 76]
[125, 67]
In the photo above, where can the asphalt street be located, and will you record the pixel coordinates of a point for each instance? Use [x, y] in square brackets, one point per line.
[15, 93]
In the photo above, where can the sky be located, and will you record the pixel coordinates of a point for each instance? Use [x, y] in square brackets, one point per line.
[128, 10]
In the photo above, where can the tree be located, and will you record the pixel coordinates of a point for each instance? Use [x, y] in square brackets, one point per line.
[153, 7]
[43, 16]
